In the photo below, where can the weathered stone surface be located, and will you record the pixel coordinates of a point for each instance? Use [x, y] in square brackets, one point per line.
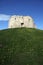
[21, 21]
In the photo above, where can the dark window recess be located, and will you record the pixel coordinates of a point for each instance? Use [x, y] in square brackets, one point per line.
[15, 18]
[22, 24]
[22, 17]
[29, 19]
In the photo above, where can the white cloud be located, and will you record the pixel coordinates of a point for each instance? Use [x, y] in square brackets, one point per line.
[4, 17]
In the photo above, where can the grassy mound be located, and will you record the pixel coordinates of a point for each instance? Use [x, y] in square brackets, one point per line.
[21, 46]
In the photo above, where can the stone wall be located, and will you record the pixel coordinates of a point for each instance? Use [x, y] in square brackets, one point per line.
[21, 21]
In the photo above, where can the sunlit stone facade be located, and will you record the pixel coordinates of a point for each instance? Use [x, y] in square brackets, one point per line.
[16, 21]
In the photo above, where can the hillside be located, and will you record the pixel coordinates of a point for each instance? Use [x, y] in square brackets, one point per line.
[21, 46]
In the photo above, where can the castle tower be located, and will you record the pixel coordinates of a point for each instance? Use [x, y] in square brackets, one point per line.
[21, 21]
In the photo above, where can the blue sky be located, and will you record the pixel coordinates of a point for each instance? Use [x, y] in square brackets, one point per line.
[33, 8]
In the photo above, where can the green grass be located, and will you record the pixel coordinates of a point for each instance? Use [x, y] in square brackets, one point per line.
[21, 46]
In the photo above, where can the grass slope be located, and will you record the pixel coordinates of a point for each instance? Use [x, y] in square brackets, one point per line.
[21, 46]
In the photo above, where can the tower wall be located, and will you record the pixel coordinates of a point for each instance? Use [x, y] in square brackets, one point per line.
[21, 21]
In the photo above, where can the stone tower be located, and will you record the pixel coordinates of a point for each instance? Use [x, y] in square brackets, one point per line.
[21, 21]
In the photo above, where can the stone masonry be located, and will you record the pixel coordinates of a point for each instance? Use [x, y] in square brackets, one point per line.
[21, 21]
